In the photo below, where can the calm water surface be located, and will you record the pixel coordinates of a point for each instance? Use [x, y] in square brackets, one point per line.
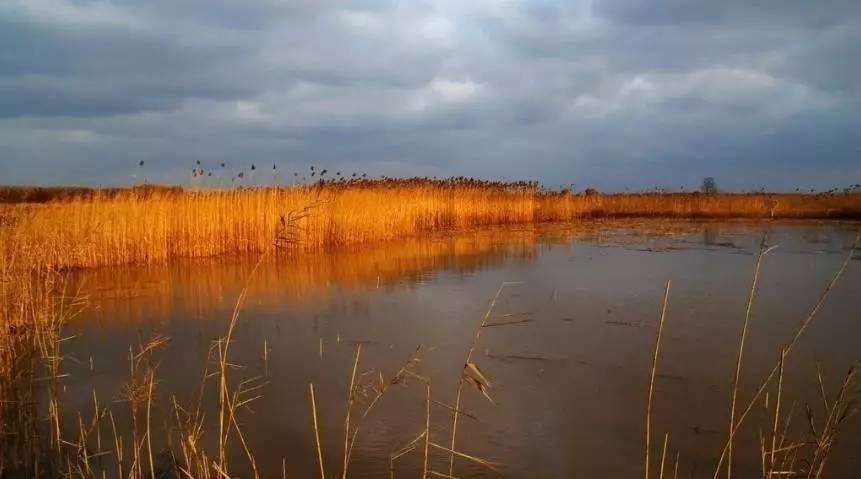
[569, 378]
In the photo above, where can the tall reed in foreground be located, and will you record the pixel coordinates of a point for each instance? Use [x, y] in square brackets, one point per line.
[477, 378]
[799, 332]
[648, 450]
[763, 251]
[779, 460]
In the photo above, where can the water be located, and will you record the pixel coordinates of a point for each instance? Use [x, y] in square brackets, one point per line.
[569, 377]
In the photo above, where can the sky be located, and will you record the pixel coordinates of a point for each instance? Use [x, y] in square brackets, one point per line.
[614, 95]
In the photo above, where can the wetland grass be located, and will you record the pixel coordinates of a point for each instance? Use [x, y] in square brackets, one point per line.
[36, 305]
[799, 332]
[763, 251]
[802, 458]
[89, 228]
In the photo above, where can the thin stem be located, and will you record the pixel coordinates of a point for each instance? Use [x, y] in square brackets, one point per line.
[664, 455]
[652, 379]
[460, 380]
[349, 411]
[316, 431]
[776, 414]
[427, 432]
[798, 333]
[762, 252]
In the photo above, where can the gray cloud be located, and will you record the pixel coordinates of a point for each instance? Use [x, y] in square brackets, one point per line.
[614, 94]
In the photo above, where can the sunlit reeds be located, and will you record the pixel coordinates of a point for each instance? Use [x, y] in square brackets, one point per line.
[151, 224]
[34, 308]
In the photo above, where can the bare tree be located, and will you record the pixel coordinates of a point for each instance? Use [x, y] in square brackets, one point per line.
[709, 186]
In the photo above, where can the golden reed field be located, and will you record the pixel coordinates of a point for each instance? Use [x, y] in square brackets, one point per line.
[71, 228]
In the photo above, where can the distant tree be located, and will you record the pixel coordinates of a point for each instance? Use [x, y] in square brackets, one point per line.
[709, 185]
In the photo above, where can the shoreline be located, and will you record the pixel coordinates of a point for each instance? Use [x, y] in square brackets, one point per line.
[153, 225]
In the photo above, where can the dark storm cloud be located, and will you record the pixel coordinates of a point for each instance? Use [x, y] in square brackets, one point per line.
[615, 94]
[766, 13]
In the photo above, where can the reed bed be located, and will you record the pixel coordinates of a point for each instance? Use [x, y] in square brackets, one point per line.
[34, 307]
[40, 241]
[152, 225]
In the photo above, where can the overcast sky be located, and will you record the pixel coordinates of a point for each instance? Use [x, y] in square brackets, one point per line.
[611, 94]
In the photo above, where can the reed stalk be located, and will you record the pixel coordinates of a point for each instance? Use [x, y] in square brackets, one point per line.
[316, 431]
[350, 396]
[476, 335]
[799, 332]
[652, 379]
[763, 250]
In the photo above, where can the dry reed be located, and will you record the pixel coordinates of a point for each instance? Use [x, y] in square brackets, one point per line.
[648, 440]
[154, 225]
[763, 250]
[456, 410]
[36, 304]
[799, 332]
[316, 431]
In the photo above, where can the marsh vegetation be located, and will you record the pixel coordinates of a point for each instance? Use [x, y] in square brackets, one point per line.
[414, 327]
[149, 224]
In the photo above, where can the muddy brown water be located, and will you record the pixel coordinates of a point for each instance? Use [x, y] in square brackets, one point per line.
[569, 377]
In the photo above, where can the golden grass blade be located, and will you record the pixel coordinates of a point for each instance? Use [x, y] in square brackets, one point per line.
[771, 459]
[461, 412]
[484, 462]
[316, 431]
[350, 392]
[409, 447]
[664, 455]
[676, 467]
[473, 371]
[427, 432]
[652, 378]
